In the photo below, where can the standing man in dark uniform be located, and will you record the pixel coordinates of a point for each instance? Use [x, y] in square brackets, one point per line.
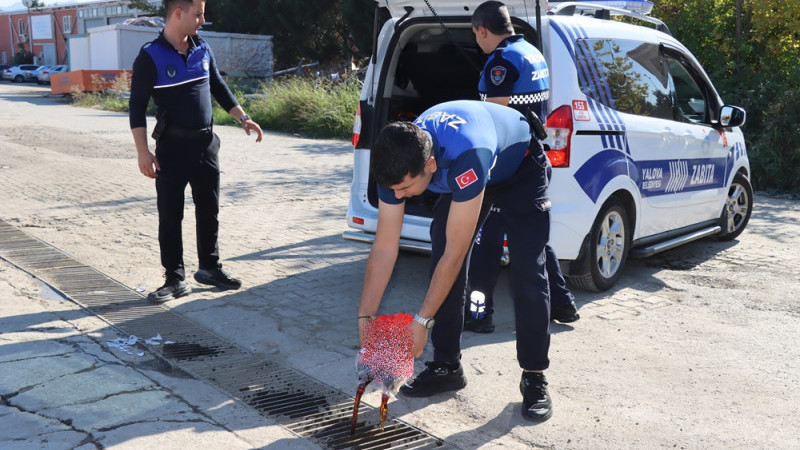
[474, 155]
[515, 75]
[179, 71]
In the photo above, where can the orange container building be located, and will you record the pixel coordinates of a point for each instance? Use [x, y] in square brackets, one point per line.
[85, 80]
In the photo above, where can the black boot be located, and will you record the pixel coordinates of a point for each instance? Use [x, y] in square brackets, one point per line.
[437, 377]
[536, 403]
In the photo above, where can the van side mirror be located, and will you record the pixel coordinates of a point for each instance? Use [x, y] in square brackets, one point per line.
[731, 116]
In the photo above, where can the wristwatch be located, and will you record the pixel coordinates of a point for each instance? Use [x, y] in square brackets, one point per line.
[426, 322]
[244, 118]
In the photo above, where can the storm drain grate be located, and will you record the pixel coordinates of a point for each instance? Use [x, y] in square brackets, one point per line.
[307, 407]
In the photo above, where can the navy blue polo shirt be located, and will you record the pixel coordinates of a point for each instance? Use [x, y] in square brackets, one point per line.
[475, 144]
[181, 85]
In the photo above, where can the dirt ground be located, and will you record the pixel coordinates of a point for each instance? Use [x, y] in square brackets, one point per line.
[697, 347]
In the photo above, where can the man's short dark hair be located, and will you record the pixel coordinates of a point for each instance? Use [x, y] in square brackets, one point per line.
[494, 17]
[401, 149]
[170, 5]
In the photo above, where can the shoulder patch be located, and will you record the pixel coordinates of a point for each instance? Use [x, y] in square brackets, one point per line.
[466, 178]
[497, 74]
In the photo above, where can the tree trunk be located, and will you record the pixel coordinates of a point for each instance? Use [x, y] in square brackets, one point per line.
[739, 20]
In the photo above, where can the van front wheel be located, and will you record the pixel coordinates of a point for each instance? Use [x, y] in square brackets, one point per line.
[608, 248]
[737, 209]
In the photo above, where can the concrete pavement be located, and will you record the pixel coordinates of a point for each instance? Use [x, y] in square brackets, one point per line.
[66, 382]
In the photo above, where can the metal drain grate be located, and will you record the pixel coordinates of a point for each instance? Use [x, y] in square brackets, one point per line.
[307, 407]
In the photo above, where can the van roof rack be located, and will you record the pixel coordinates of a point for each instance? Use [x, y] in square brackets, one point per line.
[603, 12]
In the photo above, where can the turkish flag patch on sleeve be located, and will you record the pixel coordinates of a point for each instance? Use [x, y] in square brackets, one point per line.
[466, 178]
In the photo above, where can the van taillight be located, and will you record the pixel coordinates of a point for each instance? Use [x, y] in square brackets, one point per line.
[559, 133]
[357, 127]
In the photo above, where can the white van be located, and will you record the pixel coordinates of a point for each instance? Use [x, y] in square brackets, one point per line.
[646, 156]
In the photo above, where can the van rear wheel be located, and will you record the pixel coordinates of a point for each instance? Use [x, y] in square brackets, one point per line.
[609, 243]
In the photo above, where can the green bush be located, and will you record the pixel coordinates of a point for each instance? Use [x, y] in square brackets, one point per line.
[313, 108]
[775, 152]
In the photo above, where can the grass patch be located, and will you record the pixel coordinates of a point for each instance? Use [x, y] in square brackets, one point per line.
[101, 96]
[309, 107]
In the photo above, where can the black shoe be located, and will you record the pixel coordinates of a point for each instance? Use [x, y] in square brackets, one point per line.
[536, 403]
[483, 325]
[564, 313]
[437, 377]
[218, 278]
[170, 290]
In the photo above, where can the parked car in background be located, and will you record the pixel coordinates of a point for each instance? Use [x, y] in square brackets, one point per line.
[18, 74]
[38, 70]
[3, 68]
[44, 73]
[35, 73]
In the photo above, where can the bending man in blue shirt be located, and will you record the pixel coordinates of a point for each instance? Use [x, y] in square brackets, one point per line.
[474, 155]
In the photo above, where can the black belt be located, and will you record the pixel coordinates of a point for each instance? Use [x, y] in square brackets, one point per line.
[185, 133]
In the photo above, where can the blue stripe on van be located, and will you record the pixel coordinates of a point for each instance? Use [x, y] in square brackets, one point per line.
[601, 168]
[567, 42]
[652, 178]
[598, 87]
[602, 113]
[737, 151]
[593, 77]
[670, 176]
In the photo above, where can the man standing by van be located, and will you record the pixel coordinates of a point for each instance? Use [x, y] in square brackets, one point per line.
[515, 75]
[451, 149]
[179, 71]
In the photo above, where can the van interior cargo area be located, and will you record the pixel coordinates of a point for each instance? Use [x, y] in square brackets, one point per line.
[432, 66]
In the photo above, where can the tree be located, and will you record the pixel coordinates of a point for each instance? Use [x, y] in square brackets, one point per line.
[148, 8]
[311, 29]
[23, 56]
[329, 31]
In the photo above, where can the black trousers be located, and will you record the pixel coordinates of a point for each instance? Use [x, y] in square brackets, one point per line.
[193, 161]
[526, 218]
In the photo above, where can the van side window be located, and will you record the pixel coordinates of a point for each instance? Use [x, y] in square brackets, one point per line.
[628, 76]
[690, 103]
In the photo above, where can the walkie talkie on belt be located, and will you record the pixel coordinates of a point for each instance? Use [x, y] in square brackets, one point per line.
[161, 124]
[537, 127]
[539, 134]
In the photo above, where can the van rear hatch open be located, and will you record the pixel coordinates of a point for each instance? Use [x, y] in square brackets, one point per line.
[428, 62]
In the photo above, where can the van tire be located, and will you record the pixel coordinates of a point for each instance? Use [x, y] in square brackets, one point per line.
[609, 243]
[737, 208]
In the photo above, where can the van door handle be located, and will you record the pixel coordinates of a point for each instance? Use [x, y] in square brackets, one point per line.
[667, 134]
